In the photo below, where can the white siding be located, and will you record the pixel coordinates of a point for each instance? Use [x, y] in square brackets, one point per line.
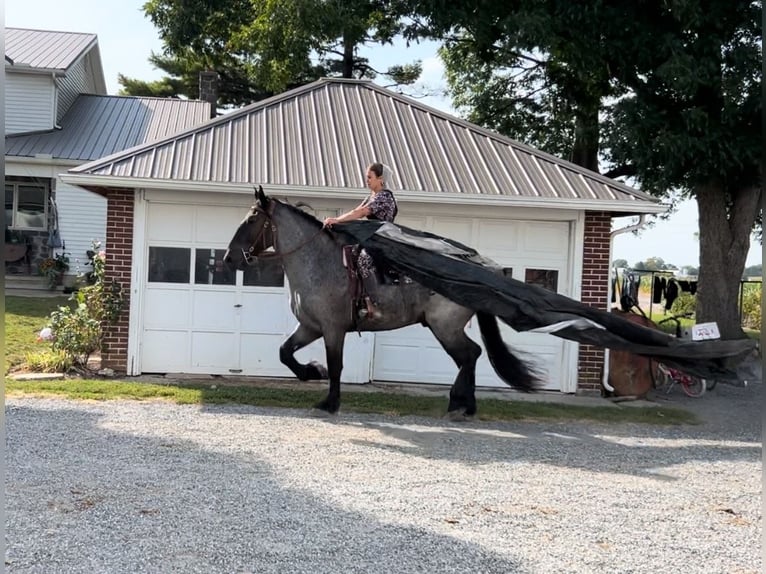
[72, 85]
[82, 218]
[29, 101]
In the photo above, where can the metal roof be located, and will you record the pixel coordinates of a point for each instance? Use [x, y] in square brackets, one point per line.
[96, 126]
[44, 49]
[323, 135]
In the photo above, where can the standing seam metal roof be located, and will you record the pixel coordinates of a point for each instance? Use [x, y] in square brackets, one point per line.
[325, 133]
[96, 126]
[45, 49]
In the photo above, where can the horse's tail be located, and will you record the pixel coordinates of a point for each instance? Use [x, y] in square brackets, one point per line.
[512, 370]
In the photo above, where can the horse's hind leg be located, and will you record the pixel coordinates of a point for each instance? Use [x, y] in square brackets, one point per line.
[298, 339]
[465, 353]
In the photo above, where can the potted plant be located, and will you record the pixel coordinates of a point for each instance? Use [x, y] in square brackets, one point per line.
[53, 269]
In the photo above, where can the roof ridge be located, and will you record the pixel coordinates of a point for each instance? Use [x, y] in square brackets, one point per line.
[51, 31]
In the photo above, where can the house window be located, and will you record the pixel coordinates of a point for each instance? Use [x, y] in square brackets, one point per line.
[169, 265]
[26, 204]
[210, 270]
[546, 278]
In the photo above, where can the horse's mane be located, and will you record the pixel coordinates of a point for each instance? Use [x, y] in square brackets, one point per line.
[296, 209]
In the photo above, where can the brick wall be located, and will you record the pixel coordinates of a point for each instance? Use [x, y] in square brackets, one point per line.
[595, 282]
[119, 258]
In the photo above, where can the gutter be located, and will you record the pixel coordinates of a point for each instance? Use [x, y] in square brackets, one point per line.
[612, 235]
[90, 181]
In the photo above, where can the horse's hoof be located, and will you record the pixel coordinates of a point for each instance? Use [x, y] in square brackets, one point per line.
[458, 416]
[322, 414]
[319, 370]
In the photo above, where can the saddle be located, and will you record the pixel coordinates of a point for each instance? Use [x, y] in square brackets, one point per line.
[385, 275]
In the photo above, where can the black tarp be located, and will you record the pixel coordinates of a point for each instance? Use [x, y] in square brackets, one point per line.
[461, 274]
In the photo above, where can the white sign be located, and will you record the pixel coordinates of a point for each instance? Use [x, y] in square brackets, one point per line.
[705, 331]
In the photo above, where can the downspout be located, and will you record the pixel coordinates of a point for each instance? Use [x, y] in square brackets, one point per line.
[612, 235]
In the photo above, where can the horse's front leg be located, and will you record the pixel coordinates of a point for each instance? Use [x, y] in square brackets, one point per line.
[334, 349]
[298, 339]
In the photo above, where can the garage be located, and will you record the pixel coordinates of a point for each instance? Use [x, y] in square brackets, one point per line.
[198, 317]
[173, 205]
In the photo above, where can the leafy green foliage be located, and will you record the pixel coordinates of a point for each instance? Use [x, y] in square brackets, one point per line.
[751, 306]
[263, 47]
[77, 327]
[684, 304]
[49, 361]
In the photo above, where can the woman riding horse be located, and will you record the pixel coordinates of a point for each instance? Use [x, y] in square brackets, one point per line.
[380, 205]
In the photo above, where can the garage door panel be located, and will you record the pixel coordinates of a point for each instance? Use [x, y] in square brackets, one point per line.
[259, 355]
[165, 351]
[216, 351]
[167, 308]
[541, 239]
[214, 310]
[265, 313]
[172, 223]
[495, 237]
[217, 224]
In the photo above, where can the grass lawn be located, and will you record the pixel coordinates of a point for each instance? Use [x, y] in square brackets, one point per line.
[26, 316]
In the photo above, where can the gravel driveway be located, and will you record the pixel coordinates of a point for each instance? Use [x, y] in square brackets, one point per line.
[155, 487]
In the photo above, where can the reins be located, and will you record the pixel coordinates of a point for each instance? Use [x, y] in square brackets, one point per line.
[248, 255]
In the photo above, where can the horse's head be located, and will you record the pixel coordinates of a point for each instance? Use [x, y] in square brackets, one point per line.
[254, 235]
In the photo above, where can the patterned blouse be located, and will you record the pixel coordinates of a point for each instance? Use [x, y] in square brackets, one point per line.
[382, 206]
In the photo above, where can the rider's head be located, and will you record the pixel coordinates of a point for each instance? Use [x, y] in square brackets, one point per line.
[378, 176]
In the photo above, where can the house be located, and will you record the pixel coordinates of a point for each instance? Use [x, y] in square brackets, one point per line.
[174, 204]
[58, 116]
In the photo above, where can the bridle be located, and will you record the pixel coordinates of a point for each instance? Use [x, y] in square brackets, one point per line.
[269, 225]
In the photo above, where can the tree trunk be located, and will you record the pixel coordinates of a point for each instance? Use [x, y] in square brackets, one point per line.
[586, 140]
[724, 243]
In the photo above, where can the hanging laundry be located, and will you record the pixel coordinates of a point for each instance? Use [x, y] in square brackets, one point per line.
[657, 290]
[671, 294]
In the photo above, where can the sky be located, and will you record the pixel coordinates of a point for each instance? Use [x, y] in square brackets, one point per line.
[127, 38]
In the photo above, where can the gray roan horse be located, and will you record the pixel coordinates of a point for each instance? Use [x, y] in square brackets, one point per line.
[319, 297]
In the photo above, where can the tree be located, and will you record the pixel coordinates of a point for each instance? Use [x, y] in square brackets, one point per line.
[263, 47]
[669, 92]
[620, 263]
[692, 122]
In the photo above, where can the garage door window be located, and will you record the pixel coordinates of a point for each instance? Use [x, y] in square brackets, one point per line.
[210, 270]
[546, 278]
[169, 265]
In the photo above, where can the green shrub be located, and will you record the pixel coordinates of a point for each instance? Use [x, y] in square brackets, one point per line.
[48, 362]
[685, 304]
[751, 307]
[77, 328]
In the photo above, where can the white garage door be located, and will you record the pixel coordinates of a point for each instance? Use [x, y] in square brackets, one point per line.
[198, 317]
[530, 251]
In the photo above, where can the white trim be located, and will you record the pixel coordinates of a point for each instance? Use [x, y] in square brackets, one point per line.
[639, 206]
[576, 261]
[135, 320]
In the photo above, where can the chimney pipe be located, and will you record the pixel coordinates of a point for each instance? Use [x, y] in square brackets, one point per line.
[208, 89]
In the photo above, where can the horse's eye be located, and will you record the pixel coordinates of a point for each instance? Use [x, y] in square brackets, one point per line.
[251, 219]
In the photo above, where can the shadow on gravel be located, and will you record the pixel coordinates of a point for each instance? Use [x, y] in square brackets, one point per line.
[81, 498]
[731, 431]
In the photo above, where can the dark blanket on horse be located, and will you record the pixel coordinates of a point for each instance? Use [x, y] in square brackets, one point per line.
[458, 272]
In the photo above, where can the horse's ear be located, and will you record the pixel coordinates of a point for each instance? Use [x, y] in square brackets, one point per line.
[260, 196]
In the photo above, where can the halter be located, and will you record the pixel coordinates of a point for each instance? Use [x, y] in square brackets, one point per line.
[268, 214]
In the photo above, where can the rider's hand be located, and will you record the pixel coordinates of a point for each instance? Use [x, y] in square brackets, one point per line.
[330, 221]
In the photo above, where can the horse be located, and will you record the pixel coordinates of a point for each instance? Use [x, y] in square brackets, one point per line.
[322, 302]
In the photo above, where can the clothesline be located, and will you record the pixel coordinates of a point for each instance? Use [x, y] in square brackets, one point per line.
[662, 287]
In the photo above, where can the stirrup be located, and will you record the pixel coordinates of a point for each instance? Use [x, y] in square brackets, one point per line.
[365, 314]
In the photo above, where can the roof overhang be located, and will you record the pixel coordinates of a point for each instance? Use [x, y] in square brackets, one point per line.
[99, 183]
